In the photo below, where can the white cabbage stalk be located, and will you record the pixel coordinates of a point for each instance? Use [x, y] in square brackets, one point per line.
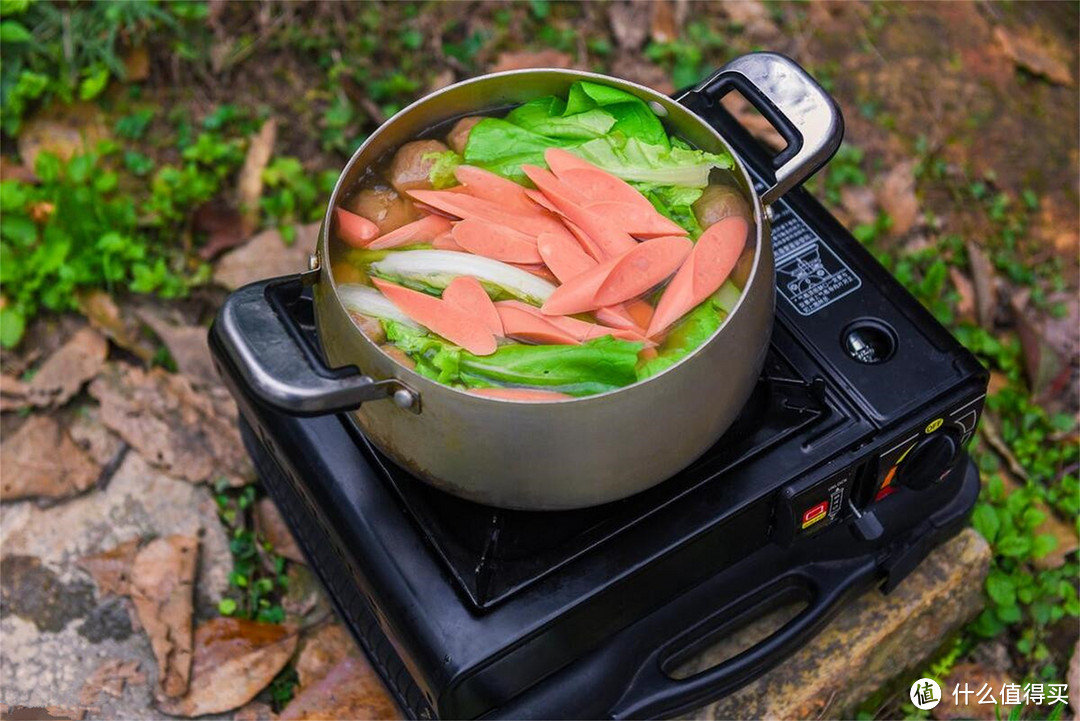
[366, 300]
[437, 268]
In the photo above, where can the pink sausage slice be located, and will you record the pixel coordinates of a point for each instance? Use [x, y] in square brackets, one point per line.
[563, 255]
[578, 295]
[540, 199]
[419, 231]
[446, 242]
[560, 161]
[600, 185]
[518, 394]
[588, 244]
[495, 188]
[523, 325]
[646, 266]
[495, 241]
[467, 294]
[355, 230]
[579, 329]
[635, 220]
[440, 317]
[607, 236]
[641, 312]
[617, 316]
[709, 265]
[552, 187]
[462, 205]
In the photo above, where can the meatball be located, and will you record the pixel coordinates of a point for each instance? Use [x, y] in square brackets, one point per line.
[718, 202]
[398, 355]
[459, 134]
[371, 327]
[410, 169]
[383, 207]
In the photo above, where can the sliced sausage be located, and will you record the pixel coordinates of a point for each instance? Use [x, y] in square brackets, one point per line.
[354, 229]
[495, 188]
[519, 394]
[563, 255]
[635, 220]
[646, 266]
[467, 294]
[440, 317]
[523, 325]
[424, 230]
[496, 241]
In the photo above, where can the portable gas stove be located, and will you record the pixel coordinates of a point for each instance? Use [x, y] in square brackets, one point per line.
[844, 470]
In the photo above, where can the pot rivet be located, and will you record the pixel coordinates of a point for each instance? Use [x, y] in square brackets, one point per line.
[312, 261]
[404, 398]
[660, 110]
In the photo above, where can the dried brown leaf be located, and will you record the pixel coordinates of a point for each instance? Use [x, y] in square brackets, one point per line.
[188, 434]
[223, 226]
[254, 711]
[249, 183]
[974, 675]
[965, 307]
[41, 460]
[860, 204]
[753, 16]
[1035, 55]
[1044, 367]
[62, 375]
[234, 660]
[13, 393]
[162, 579]
[187, 344]
[896, 196]
[667, 20]
[526, 59]
[110, 678]
[63, 129]
[629, 21]
[120, 326]
[111, 570]
[137, 64]
[985, 282]
[336, 681]
[266, 256]
[271, 526]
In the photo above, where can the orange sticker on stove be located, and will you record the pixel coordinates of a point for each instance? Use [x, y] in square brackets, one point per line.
[815, 514]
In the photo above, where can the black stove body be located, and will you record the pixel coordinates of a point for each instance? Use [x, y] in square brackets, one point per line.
[844, 470]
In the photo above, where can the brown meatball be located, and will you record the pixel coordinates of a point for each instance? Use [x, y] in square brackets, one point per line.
[409, 169]
[383, 207]
[459, 134]
[398, 355]
[371, 327]
[718, 202]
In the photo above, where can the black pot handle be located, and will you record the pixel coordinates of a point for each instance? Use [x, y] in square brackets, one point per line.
[258, 332]
[793, 102]
[652, 691]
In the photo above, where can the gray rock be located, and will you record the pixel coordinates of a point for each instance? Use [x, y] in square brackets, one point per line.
[57, 629]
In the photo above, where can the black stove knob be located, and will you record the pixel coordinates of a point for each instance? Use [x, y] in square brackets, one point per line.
[930, 460]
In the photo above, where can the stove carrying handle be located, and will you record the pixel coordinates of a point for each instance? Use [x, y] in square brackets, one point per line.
[281, 368]
[653, 692]
[794, 104]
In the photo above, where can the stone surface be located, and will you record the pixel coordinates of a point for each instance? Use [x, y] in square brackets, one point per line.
[57, 628]
[875, 640]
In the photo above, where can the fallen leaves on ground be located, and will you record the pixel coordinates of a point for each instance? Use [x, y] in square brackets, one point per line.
[63, 129]
[526, 59]
[137, 64]
[161, 584]
[860, 204]
[965, 306]
[1035, 55]
[336, 681]
[982, 277]
[223, 226]
[1047, 372]
[63, 374]
[234, 660]
[185, 433]
[249, 183]
[42, 713]
[630, 22]
[266, 256]
[12, 393]
[41, 460]
[753, 16]
[271, 527]
[111, 569]
[110, 678]
[896, 196]
[120, 326]
[667, 20]
[974, 676]
[187, 345]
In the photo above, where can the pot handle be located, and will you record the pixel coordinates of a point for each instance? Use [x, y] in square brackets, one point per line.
[260, 336]
[793, 102]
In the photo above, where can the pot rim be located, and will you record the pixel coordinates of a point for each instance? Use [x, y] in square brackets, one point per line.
[650, 96]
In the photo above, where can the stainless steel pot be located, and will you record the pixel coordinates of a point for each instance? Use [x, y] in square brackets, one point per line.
[565, 454]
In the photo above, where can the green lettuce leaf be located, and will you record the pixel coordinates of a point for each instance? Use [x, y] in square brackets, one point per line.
[675, 203]
[633, 118]
[441, 174]
[695, 328]
[635, 161]
[544, 116]
[502, 147]
[599, 365]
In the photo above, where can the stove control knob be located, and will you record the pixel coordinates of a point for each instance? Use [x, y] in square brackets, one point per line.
[930, 460]
[865, 525]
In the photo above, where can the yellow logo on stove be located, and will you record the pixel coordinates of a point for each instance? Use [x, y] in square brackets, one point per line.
[934, 425]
